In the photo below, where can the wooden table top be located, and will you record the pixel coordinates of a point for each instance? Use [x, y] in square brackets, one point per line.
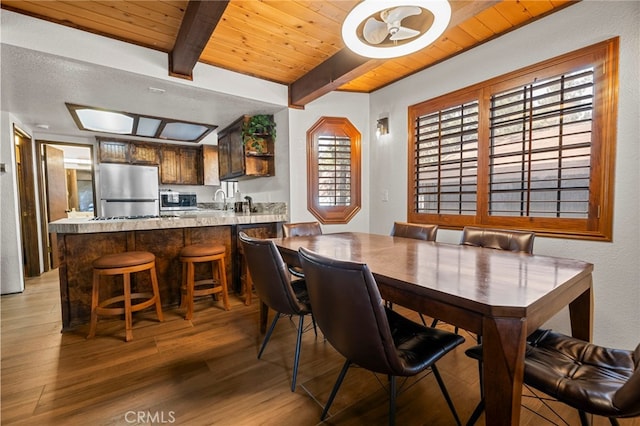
[486, 281]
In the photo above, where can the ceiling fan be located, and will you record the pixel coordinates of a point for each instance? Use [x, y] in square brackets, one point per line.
[375, 31]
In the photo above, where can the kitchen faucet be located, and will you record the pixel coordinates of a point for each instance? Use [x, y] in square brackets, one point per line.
[250, 201]
[224, 197]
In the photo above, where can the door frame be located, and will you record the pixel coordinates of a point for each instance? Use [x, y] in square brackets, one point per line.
[27, 202]
[44, 214]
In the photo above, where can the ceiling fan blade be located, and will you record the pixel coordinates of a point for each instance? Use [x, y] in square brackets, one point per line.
[399, 13]
[374, 31]
[404, 33]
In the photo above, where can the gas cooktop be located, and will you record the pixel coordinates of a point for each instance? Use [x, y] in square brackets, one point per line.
[146, 216]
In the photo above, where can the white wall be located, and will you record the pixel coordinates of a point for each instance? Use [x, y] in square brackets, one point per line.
[353, 106]
[617, 269]
[275, 188]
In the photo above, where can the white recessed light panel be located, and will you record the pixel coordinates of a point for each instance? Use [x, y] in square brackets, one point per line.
[125, 123]
[105, 121]
[182, 131]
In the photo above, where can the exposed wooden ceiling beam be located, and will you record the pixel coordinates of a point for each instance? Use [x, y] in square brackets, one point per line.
[198, 23]
[346, 65]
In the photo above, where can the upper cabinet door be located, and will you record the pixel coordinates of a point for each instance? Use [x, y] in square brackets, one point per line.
[144, 154]
[114, 152]
[210, 168]
[170, 166]
[238, 161]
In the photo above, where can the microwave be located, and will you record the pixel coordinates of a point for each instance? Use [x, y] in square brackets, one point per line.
[173, 200]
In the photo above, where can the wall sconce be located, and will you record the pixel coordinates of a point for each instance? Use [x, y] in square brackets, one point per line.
[382, 127]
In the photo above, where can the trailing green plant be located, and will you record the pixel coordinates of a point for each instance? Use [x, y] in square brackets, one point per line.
[258, 125]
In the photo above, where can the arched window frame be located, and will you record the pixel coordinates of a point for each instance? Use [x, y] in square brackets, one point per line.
[339, 128]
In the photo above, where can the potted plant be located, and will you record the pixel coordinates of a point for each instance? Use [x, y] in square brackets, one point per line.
[255, 129]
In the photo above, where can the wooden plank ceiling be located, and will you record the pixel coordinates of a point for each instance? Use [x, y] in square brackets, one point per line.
[297, 43]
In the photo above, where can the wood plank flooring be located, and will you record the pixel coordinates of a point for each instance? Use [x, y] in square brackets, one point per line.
[203, 372]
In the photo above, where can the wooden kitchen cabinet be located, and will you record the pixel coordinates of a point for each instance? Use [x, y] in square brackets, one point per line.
[237, 161]
[210, 167]
[180, 165]
[128, 152]
[113, 151]
[143, 153]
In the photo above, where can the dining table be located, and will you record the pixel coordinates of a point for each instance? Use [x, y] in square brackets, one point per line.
[499, 295]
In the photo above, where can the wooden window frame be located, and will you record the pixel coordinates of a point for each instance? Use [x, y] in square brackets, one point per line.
[341, 127]
[598, 225]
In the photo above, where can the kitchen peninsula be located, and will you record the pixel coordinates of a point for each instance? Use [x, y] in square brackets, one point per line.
[81, 241]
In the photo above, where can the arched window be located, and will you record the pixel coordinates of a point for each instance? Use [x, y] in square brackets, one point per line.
[333, 164]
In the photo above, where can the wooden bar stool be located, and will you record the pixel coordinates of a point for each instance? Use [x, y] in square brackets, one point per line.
[198, 253]
[124, 264]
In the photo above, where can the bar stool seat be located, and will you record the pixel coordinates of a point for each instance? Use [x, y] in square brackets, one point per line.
[124, 264]
[217, 284]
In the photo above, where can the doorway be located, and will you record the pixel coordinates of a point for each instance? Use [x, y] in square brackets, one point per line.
[27, 203]
[67, 188]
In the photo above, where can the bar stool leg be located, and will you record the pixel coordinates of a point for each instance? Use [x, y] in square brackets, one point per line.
[156, 293]
[222, 279]
[128, 320]
[183, 287]
[190, 289]
[94, 305]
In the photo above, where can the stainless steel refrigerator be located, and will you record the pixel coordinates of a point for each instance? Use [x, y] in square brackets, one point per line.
[128, 190]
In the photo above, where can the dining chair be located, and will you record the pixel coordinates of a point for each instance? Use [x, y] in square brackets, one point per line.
[275, 289]
[499, 239]
[590, 378]
[417, 232]
[350, 312]
[300, 229]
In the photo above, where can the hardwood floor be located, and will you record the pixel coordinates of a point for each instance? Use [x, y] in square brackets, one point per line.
[202, 372]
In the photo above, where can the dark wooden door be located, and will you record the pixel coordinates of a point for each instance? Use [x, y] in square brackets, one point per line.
[56, 186]
[26, 189]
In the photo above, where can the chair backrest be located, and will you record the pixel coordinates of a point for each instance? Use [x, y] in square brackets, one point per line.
[627, 398]
[301, 229]
[348, 309]
[270, 275]
[592, 378]
[414, 230]
[516, 241]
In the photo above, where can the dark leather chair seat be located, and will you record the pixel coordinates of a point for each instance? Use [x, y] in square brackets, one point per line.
[588, 377]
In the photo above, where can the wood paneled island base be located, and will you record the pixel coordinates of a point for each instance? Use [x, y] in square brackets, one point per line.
[80, 242]
[77, 251]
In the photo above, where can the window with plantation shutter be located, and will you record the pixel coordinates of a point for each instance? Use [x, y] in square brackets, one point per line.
[334, 170]
[333, 164]
[531, 150]
[446, 154]
[540, 147]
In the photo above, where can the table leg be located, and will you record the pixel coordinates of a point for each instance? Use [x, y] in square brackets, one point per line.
[504, 344]
[580, 314]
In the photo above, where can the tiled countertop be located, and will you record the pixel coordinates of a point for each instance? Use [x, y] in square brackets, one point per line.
[184, 220]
